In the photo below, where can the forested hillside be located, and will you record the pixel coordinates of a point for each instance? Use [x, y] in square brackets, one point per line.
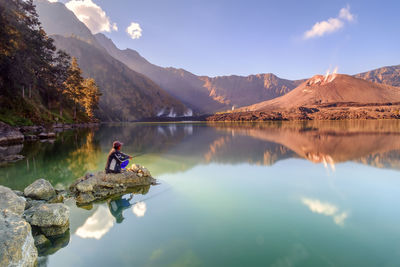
[38, 83]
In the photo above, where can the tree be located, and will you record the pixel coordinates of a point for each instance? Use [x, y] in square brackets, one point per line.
[74, 85]
[62, 64]
[91, 96]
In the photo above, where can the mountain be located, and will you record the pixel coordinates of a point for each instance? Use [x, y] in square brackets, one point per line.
[126, 94]
[202, 93]
[335, 88]
[387, 75]
[56, 18]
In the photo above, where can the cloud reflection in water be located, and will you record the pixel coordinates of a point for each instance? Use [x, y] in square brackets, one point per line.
[325, 208]
[139, 209]
[97, 225]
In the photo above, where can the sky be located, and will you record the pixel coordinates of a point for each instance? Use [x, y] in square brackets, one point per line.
[292, 39]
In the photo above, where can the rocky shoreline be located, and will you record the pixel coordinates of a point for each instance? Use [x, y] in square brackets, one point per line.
[15, 135]
[35, 222]
[12, 138]
[29, 220]
[334, 111]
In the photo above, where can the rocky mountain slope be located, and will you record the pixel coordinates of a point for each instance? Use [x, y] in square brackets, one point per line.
[335, 88]
[387, 75]
[203, 94]
[126, 94]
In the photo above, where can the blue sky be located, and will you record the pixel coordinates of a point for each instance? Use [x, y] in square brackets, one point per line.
[222, 37]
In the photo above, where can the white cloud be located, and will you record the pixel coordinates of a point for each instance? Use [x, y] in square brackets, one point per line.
[92, 15]
[345, 14]
[134, 30]
[52, 1]
[327, 209]
[331, 25]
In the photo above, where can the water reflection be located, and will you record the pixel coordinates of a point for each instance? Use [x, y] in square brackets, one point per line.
[170, 148]
[139, 209]
[325, 208]
[97, 225]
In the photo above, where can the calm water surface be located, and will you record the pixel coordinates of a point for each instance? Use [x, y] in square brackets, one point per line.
[272, 194]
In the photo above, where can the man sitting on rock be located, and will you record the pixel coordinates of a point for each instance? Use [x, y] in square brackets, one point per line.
[115, 158]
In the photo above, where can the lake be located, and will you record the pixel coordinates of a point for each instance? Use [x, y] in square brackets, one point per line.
[230, 194]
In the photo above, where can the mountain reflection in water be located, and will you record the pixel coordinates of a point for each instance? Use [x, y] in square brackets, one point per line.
[229, 193]
[169, 148]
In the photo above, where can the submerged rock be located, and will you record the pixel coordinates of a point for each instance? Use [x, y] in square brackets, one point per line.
[10, 201]
[101, 185]
[40, 189]
[17, 246]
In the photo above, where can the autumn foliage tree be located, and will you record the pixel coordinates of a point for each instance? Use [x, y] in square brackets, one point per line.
[91, 98]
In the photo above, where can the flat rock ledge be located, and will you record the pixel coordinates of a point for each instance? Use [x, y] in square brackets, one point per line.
[99, 186]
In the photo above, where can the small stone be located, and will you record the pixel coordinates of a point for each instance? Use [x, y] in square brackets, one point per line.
[84, 198]
[45, 135]
[57, 199]
[10, 201]
[40, 189]
[46, 215]
[84, 186]
[146, 172]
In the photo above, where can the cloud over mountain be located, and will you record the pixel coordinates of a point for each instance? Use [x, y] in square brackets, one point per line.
[94, 17]
[134, 30]
[330, 25]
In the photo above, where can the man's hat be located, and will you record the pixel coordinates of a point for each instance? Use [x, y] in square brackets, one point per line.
[117, 144]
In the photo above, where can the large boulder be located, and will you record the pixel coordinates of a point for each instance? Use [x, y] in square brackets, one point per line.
[10, 135]
[40, 189]
[17, 247]
[10, 201]
[46, 215]
[100, 185]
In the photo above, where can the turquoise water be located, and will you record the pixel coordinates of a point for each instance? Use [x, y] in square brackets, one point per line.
[275, 194]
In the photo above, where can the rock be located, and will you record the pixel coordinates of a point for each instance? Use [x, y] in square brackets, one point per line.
[11, 158]
[85, 186]
[83, 198]
[135, 167]
[10, 201]
[47, 135]
[46, 215]
[17, 247]
[10, 135]
[41, 240]
[19, 193]
[146, 172]
[40, 189]
[57, 199]
[102, 185]
[54, 230]
[33, 202]
[31, 129]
